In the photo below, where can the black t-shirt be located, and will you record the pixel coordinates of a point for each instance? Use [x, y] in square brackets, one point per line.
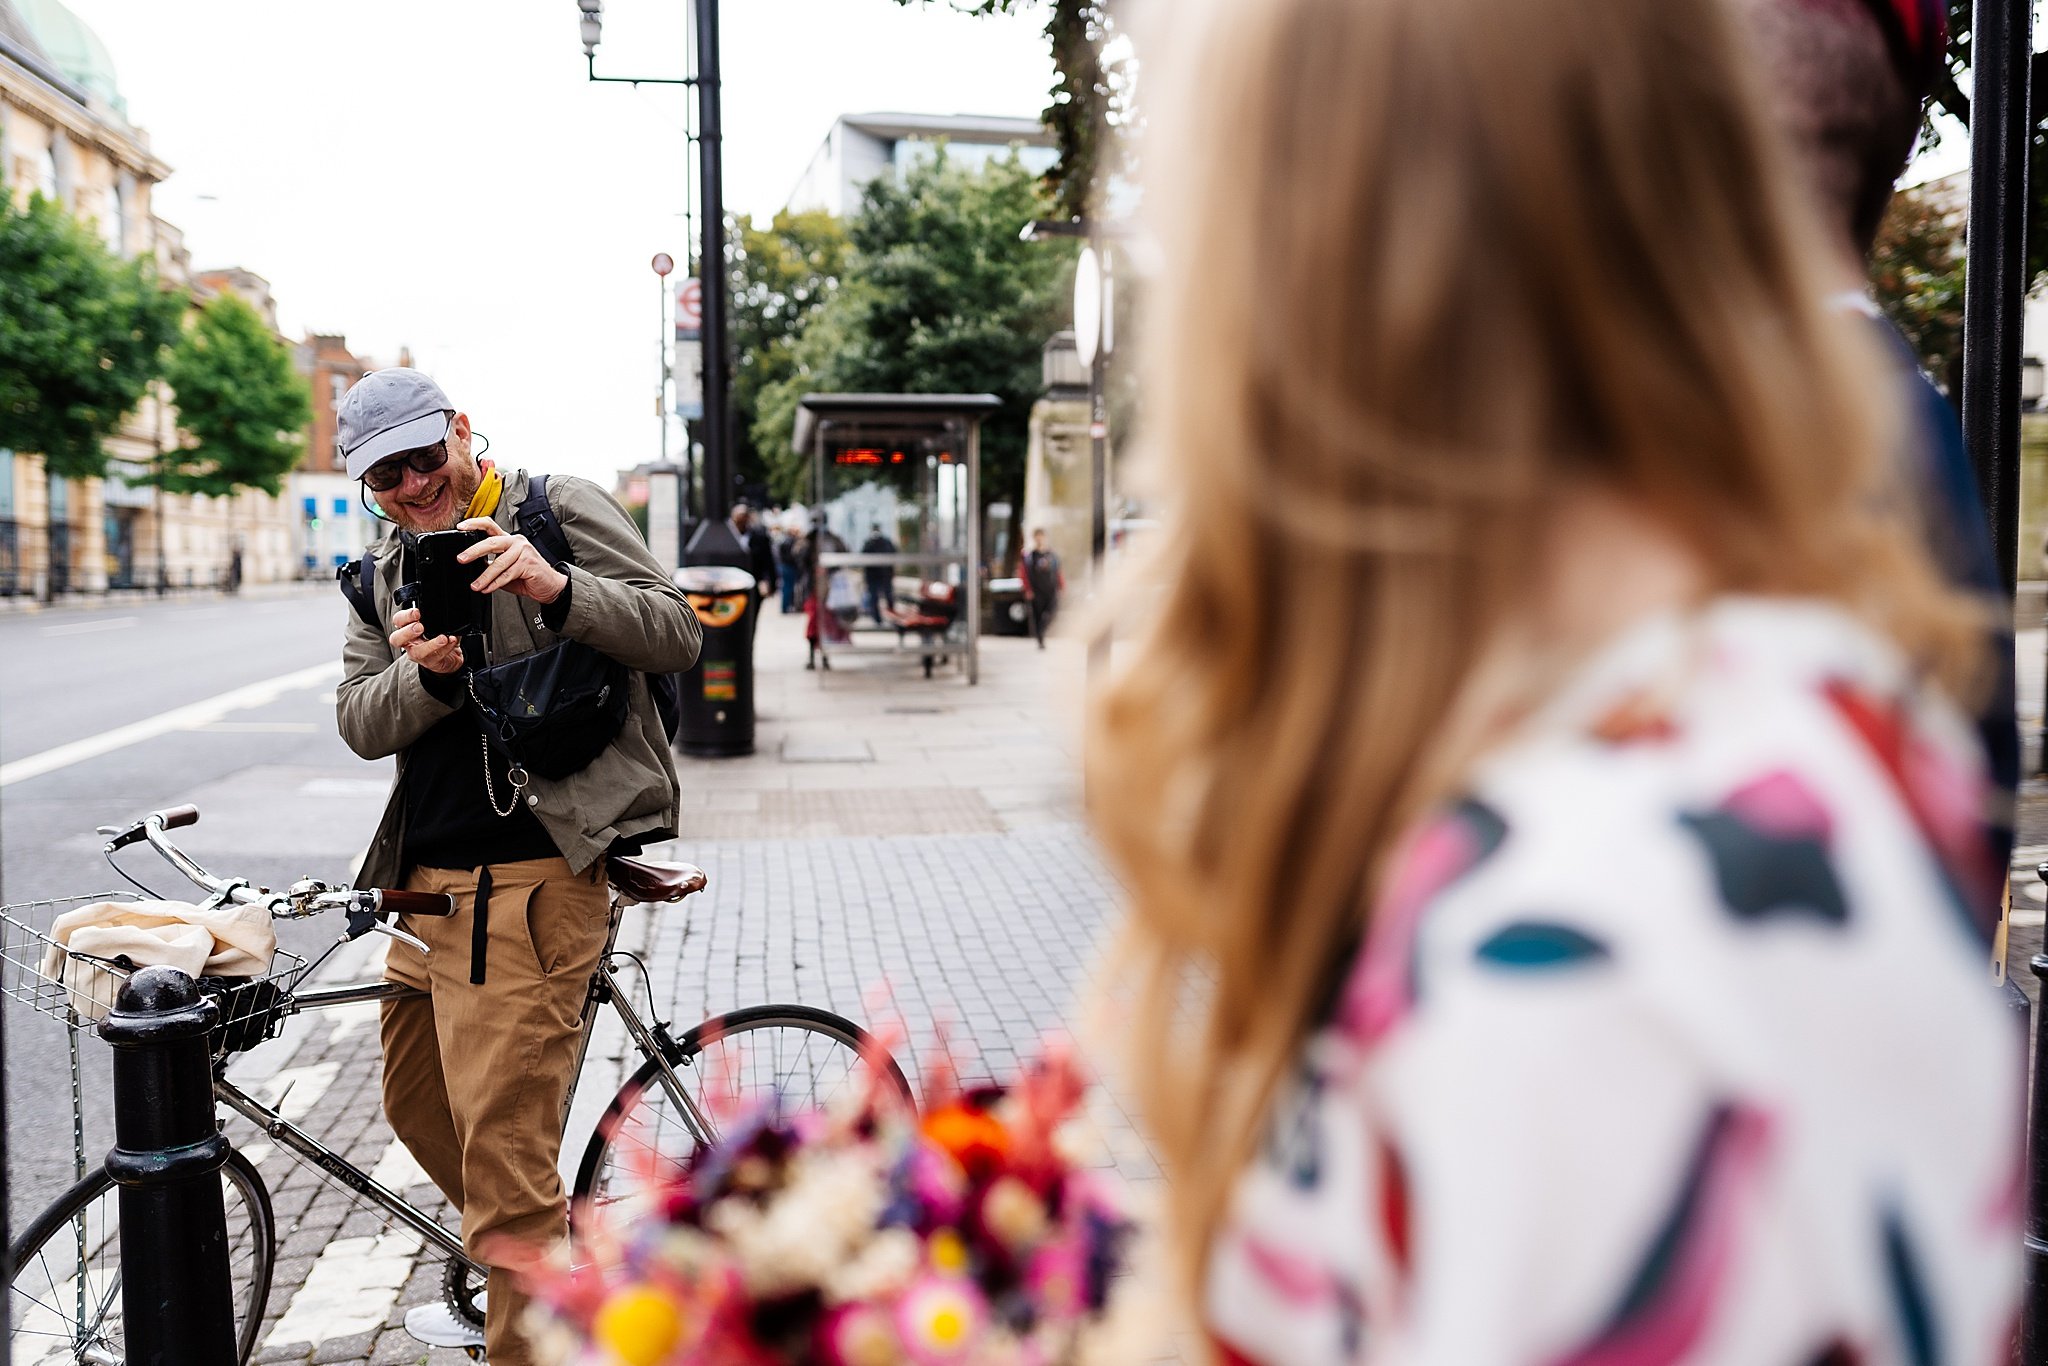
[449, 820]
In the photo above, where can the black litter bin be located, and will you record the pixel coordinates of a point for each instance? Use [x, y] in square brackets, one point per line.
[718, 694]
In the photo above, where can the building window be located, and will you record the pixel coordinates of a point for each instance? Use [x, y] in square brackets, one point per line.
[341, 508]
[45, 172]
[6, 484]
[338, 386]
[114, 221]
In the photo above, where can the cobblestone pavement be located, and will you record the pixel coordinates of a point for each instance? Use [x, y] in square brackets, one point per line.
[895, 848]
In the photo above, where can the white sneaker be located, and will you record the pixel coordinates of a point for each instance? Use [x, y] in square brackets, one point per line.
[439, 1326]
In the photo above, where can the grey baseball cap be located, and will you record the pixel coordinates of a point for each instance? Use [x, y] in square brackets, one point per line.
[389, 411]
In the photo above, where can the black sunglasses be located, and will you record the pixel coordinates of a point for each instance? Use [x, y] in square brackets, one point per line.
[387, 475]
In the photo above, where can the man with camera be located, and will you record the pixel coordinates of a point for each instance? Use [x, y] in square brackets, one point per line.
[510, 811]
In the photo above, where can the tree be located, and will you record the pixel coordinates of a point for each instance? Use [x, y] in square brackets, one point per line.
[1916, 273]
[938, 296]
[781, 274]
[82, 334]
[1090, 98]
[242, 407]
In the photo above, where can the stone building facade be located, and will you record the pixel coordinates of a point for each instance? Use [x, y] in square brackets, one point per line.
[64, 131]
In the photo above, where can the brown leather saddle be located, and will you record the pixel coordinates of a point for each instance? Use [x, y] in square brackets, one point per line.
[642, 879]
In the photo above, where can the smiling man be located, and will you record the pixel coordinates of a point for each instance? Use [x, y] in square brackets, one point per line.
[476, 1071]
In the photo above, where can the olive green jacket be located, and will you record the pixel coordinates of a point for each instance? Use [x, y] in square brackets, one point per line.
[621, 602]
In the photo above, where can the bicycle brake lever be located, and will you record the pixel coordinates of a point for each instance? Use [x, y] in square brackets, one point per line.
[401, 936]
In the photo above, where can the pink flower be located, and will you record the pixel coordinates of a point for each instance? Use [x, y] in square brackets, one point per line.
[1058, 1277]
[860, 1335]
[939, 1320]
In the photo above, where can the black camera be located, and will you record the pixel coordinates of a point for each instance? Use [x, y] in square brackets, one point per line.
[441, 586]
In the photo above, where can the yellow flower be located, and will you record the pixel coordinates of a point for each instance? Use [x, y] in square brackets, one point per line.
[638, 1326]
[947, 1252]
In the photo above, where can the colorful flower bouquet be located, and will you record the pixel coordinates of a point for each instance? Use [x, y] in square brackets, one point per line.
[866, 1236]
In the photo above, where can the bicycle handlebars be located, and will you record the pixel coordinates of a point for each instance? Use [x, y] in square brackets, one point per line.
[416, 903]
[366, 906]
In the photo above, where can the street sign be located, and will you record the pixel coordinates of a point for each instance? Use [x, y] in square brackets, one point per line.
[663, 263]
[689, 379]
[1087, 305]
[689, 309]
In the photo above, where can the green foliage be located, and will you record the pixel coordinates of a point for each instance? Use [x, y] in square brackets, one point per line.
[82, 333]
[242, 407]
[1088, 100]
[939, 296]
[780, 274]
[1917, 273]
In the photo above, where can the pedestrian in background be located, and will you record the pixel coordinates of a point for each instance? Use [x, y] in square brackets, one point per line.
[821, 622]
[760, 550]
[1846, 85]
[785, 564]
[1538, 737]
[879, 580]
[1044, 581]
[477, 1069]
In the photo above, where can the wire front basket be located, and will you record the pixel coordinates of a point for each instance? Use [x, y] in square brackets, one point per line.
[78, 989]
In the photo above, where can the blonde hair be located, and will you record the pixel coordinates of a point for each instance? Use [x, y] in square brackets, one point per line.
[1427, 263]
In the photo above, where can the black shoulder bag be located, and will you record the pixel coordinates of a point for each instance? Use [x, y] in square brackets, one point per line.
[554, 711]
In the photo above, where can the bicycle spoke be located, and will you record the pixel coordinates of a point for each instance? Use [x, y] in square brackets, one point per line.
[788, 1057]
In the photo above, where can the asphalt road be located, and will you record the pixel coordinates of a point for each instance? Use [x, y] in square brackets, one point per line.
[111, 711]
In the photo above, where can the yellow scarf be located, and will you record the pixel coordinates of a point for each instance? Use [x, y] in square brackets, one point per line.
[485, 500]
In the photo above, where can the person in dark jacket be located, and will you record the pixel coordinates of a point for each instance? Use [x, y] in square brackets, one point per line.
[760, 550]
[878, 580]
[1044, 581]
[1847, 83]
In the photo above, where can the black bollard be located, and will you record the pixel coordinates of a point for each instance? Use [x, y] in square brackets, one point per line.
[176, 1300]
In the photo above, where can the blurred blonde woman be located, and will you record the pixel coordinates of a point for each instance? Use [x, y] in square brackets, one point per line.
[1552, 850]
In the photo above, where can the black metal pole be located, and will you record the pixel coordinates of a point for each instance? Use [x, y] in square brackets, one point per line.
[2001, 46]
[713, 541]
[177, 1302]
[711, 152]
[2033, 1344]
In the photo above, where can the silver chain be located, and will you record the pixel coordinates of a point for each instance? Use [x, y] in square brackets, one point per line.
[514, 775]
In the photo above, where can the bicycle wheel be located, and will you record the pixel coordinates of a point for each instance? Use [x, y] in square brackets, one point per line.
[803, 1057]
[66, 1309]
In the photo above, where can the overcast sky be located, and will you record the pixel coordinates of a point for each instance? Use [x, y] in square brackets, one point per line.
[439, 174]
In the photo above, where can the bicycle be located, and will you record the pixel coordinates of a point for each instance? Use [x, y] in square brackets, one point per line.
[66, 1277]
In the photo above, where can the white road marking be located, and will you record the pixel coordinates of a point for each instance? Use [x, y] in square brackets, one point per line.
[86, 628]
[345, 787]
[398, 1170]
[178, 718]
[350, 1289]
[257, 727]
[295, 1090]
[259, 1153]
[349, 1019]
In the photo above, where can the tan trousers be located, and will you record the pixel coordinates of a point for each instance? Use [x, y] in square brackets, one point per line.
[475, 1076]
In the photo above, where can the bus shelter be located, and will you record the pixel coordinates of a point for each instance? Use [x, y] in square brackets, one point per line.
[895, 537]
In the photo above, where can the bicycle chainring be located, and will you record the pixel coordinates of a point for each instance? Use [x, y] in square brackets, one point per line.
[461, 1287]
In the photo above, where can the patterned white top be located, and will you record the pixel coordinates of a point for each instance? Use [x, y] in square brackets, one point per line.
[1674, 1041]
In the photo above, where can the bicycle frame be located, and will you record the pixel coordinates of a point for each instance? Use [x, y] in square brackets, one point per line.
[653, 1041]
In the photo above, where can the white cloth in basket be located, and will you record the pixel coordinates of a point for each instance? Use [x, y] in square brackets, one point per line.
[218, 941]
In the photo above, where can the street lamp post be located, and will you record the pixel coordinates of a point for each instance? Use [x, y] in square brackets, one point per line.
[1093, 335]
[664, 533]
[713, 541]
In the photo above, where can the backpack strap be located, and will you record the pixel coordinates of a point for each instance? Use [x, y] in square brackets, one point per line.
[358, 584]
[538, 523]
